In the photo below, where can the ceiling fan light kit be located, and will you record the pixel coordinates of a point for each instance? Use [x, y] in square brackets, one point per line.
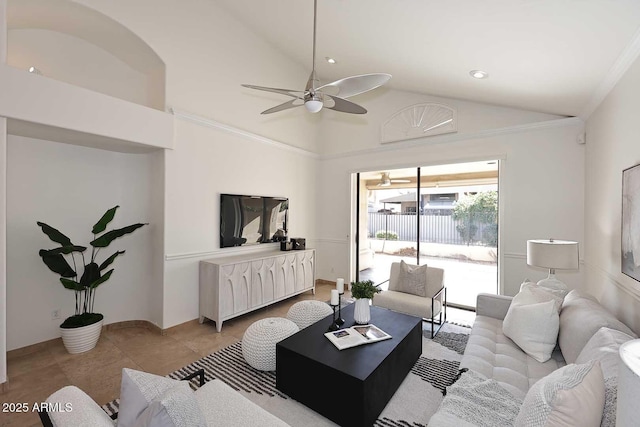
[316, 97]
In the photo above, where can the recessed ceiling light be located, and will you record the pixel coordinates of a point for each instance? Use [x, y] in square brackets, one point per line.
[479, 74]
[34, 70]
[330, 60]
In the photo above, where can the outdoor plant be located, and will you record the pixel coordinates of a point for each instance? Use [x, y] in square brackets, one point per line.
[387, 235]
[476, 209]
[364, 289]
[84, 274]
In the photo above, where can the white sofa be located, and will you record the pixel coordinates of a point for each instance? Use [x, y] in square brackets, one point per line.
[215, 403]
[496, 357]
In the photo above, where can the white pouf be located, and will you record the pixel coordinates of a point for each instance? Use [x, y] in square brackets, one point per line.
[308, 312]
[260, 339]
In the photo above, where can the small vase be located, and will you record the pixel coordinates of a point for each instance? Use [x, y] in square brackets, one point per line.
[362, 311]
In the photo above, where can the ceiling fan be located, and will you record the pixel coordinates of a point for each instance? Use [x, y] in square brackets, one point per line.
[331, 95]
[386, 181]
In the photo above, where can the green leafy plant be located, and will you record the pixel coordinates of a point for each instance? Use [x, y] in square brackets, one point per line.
[364, 289]
[387, 235]
[476, 209]
[83, 281]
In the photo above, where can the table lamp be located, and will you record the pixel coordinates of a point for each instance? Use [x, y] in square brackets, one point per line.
[554, 255]
[628, 411]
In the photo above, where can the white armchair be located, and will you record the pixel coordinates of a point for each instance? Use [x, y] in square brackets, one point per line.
[398, 298]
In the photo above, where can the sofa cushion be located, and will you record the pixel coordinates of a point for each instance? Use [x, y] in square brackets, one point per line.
[176, 407]
[137, 390]
[412, 280]
[532, 321]
[580, 318]
[490, 353]
[604, 347]
[571, 396]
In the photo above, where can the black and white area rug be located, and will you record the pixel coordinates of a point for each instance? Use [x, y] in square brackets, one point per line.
[412, 405]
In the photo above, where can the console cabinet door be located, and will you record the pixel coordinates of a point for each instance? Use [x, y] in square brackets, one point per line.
[286, 274]
[304, 270]
[235, 282]
[263, 281]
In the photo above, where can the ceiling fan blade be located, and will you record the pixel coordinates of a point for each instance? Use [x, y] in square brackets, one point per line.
[292, 93]
[284, 106]
[345, 106]
[355, 85]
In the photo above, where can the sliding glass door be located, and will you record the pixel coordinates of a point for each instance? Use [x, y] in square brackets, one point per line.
[444, 216]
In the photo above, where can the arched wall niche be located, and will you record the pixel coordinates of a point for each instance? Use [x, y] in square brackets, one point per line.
[72, 43]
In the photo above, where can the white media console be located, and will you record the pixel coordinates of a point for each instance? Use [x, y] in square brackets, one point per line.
[235, 285]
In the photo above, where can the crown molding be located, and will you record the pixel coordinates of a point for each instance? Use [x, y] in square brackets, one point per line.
[615, 73]
[210, 123]
[460, 136]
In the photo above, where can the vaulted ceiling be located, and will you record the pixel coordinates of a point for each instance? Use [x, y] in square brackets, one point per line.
[552, 56]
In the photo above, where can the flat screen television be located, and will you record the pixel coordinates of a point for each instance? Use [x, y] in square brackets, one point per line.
[251, 220]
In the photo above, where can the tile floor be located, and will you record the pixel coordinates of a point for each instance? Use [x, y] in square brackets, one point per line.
[48, 366]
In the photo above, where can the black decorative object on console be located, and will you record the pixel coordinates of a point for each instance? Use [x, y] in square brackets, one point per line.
[299, 243]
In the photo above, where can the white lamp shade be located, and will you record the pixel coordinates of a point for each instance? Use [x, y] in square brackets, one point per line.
[628, 410]
[553, 254]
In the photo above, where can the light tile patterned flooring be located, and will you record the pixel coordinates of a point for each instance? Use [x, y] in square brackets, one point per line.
[33, 376]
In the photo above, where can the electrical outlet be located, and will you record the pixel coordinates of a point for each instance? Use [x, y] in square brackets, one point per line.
[55, 314]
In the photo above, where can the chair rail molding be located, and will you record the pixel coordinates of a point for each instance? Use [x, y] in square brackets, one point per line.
[418, 121]
[210, 123]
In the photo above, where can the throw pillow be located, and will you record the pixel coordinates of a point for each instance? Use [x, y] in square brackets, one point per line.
[581, 317]
[176, 407]
[137, 390]
[570, 396]
[476, 401]
[604, 346]
[412, 279]
[532, 321]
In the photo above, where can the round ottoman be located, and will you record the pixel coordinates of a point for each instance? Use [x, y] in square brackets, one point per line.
[259, 341]
[305, 313]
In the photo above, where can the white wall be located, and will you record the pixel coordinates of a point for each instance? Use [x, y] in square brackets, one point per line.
[206, 162]
[73, 60]
[3, 205]
[342, 133]
[541, 193]
[69, 188]
[208, 54]
[612, 146]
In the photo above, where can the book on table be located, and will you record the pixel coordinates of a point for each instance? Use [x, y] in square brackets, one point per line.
[356, 335]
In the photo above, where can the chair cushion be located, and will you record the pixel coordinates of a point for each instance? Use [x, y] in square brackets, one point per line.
[532, 321]
[407, 303]
[571, 396]
[176, 407]
[412, 280]
[80, 410]
[580, 318]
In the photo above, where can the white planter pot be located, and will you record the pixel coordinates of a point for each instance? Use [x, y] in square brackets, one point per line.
[84, 338]
[362, 311]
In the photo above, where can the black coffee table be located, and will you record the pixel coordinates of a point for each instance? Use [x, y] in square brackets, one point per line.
[350, 387]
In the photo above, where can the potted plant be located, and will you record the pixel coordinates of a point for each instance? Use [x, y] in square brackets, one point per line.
[363, 292]
[81, 331]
